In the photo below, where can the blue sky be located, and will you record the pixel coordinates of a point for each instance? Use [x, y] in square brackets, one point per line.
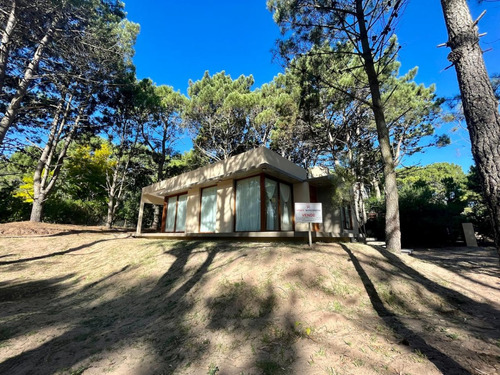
[181, 40]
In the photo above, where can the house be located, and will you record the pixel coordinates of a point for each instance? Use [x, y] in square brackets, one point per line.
[248, 195]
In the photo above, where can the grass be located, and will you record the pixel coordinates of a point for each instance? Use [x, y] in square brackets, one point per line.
[419, 356]
[270, 367]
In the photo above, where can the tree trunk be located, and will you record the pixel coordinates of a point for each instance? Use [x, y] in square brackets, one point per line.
[392, 225]
[43, 181]
[478, 100]
[111, 214]
[6, 39]
[37, 208]
[111, 187]
[13, 107]
[156, 218]
[376, 188]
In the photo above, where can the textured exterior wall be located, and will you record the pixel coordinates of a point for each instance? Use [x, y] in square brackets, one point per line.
[193, 211]
[301, 195]
[331, 214]
[225, 204]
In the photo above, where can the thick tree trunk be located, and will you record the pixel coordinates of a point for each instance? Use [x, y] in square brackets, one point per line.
[392, 225]
[478, 100]
[6, 39]
[13, 107]
[37, 209]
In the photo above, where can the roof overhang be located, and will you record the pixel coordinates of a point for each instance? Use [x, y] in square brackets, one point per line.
[239, 166]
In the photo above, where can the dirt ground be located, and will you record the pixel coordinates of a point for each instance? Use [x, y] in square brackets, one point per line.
[79, 300]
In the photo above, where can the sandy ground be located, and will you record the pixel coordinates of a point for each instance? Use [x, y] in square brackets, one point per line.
[79, 300]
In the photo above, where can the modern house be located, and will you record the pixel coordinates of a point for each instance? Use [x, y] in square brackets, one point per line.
[248, 195]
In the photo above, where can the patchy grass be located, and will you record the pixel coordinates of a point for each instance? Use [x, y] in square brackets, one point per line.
[86, 301]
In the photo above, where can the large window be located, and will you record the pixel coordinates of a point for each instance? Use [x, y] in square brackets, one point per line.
[248, 204]
[208, 209]
[263, 203]
[174, 213]
[272, 214]
[286, 206]
[180, 222]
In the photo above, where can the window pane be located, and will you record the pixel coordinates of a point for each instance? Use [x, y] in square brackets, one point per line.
[271, 204]
[286, 207]
[208, 209]
[248, 204]
[169, 224]
[180, 225]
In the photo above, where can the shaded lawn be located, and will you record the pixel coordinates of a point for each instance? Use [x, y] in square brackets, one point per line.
[103, 302]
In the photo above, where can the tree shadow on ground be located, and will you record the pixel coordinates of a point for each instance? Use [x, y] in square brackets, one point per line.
[443, 362]
[12, 292]
[157, 317]
[160, 315]
[246, 314]
[71, 250]
[456, 299]
[463, 261]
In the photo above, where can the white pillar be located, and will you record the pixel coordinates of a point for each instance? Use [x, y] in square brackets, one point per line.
[139, 219]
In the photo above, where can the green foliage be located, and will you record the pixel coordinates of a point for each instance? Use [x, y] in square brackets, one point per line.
[446, 182]
[87, 168]
[432, 203]
[12, 208]
[14, 171]
[477, 211]
[342, 182]
[212, 369]
[218, 115]
[186, 162]
[74, 211]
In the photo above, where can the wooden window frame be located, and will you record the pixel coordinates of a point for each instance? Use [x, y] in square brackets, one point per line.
[164, 214]
[263, 198]
[199, 212]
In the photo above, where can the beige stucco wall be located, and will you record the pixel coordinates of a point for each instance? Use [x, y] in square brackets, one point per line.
[224, 218]
[193, 209]
[225, 202]
[153, 199]
[301, 195]
[331, 214]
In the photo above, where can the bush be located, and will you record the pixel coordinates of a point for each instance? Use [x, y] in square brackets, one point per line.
[13, 208]
[424, 222]
[76, 212]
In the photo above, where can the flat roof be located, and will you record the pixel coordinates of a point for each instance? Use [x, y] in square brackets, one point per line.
[238, 166]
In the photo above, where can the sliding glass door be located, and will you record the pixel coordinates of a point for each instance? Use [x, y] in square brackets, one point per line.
[208, 209]
[248, 204]
[256, 196]
[175, 211]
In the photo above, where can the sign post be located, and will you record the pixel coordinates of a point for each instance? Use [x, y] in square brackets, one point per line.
[308, 213]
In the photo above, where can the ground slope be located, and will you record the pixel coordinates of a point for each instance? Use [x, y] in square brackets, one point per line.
[86, 301]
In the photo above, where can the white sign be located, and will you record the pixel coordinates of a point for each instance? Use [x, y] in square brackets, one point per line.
[308, 213]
